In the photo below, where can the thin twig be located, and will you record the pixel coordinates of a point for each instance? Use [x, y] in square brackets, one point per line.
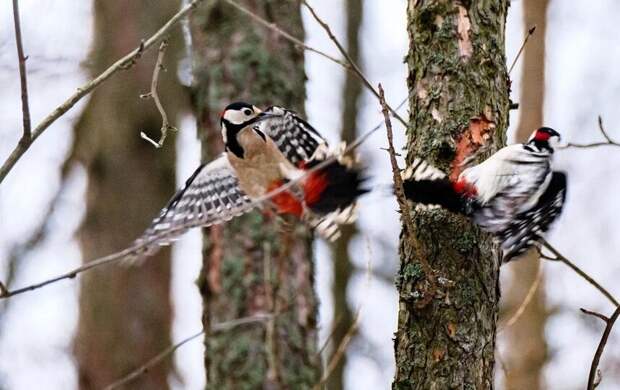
[122, 64]
[342, 348]
[403, 204]
[218, 328]
[592, 382]
[530, 32]
[561, 258]
[165, 125]
[73, 273]
[22, 72]
[354, 66]
[526, 301]
[274, 27]
[594, 314]
[608, 141]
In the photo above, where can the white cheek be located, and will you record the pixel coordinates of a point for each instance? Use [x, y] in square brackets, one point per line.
[554, 141]
[235, 117]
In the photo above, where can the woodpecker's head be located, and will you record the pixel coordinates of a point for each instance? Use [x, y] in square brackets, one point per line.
[541, 137]
[236, 117]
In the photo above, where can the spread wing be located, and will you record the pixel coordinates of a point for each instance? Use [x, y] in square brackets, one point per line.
[527, 227]
[210, 196]
[295, 138]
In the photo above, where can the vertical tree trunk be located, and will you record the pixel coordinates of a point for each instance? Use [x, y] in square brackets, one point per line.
[527, 349]
[459, 102]
[256, 263]
[125, 313]
[343, 269]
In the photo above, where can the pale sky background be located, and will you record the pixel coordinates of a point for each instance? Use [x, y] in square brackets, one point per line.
[582, 81]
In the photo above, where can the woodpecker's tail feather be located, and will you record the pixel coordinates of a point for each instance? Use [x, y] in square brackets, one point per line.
[427, 185]
[331, 192]
[333, 188]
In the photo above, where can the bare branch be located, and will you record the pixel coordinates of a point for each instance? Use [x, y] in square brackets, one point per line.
[352, 63]
[530, 32]
[561, 258]
[404, 205]
[342, 347]
[592, 378]
[22, 72]
[274, 27]
[608, 141]
[165, 125]
[594, 314]
[218, 328]
[122, 64]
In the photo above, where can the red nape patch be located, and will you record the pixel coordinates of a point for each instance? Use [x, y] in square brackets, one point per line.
[285, 202]
[464, 188]
[542, 136]
[314, 186]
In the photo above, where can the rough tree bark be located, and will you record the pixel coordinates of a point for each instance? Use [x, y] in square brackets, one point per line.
[459, 102]
[343, 268]
[526, 350]
[125, 313]
[256, 263]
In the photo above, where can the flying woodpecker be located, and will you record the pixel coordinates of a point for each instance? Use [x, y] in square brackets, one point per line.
[514, 194]
[263, 151]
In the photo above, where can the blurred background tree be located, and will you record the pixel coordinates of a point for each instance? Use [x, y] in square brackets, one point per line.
[125, 313]
[526, 347]
[256, 263]
[343, 268]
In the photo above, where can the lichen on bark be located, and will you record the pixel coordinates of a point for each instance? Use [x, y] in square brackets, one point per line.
[459, 105]
[255, 263]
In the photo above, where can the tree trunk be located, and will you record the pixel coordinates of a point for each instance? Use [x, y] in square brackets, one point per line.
[526, 350]
[459, 103]
[125, 313]
[343, 269]
[256, 263]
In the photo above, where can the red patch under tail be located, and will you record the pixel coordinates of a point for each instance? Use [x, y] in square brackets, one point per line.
[314, 186]
[285, 202]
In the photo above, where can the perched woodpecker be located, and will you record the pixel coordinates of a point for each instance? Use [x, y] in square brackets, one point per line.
[514, 194]
[263, 151]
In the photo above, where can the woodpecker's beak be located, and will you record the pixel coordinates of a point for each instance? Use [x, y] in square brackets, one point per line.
[263, 115]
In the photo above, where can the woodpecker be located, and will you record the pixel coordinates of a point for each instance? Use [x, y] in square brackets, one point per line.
[514, 194]
[263, 151]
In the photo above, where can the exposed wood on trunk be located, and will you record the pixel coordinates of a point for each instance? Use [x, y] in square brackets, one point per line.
[237, 60]
[125, 313]
[461, 79]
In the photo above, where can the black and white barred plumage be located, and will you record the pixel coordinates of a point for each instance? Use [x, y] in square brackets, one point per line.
[514, 194]
[263, 151]
[295, 138]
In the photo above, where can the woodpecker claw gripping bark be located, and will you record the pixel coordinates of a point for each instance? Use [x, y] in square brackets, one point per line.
[514, 194]
[263, 151]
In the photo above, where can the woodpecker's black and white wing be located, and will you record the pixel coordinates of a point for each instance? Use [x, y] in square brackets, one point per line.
[527, 227]
[210, 196]
[295, 138]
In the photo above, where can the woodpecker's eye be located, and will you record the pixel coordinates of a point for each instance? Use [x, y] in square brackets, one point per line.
[247, 111]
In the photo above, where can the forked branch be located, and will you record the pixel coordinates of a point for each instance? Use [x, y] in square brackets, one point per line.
[122, 64]
[165, 124]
